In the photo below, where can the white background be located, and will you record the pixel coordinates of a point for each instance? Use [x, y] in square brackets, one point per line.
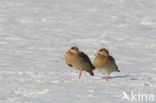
[35, 35]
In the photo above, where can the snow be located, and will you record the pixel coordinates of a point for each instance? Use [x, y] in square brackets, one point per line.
[35, 35]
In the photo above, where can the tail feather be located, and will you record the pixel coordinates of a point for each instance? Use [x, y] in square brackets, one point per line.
[90, 71]
[93, 67]
[117, 69]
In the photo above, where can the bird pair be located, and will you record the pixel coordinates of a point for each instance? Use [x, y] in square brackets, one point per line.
[80, 61]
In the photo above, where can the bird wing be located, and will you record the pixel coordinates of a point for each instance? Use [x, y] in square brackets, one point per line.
[86, 58]
[112, 59]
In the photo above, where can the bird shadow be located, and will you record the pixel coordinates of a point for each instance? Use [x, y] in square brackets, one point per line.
[116, 77]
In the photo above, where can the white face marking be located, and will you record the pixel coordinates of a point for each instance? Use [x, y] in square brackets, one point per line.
[103, 52]
[74, 50]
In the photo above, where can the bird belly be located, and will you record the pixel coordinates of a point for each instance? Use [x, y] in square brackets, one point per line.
[81, 65]
[108, 70]
[104, 70]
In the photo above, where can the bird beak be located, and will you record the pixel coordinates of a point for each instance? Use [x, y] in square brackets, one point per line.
[68, 51]
[97, 53]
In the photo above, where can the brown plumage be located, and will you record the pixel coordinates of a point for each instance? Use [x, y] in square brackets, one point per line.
[105, 63]
[79, 61]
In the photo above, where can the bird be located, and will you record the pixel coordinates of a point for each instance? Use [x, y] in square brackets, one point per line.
[105, 63]
[79, 60]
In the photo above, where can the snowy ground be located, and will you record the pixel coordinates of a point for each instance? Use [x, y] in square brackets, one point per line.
[35, 34]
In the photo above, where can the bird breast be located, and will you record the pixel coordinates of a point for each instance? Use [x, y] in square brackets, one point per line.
[70, 58]
[101, 62]
[76, 62]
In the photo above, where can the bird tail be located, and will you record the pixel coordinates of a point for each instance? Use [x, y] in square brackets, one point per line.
[90, 71]
[93, 67]
[117, 69]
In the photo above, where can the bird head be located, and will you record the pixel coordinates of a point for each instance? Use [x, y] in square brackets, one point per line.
[103, 52]
[73, 50]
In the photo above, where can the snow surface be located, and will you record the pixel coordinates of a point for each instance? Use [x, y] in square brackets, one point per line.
[35, 34]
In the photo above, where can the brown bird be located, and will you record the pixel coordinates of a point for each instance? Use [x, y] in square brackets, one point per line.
[105, 63]
[79, 61]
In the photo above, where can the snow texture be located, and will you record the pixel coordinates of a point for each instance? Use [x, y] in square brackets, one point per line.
[35, 35]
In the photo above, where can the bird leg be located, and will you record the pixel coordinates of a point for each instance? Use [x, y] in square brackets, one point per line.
[107, 77]
[80, 74]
